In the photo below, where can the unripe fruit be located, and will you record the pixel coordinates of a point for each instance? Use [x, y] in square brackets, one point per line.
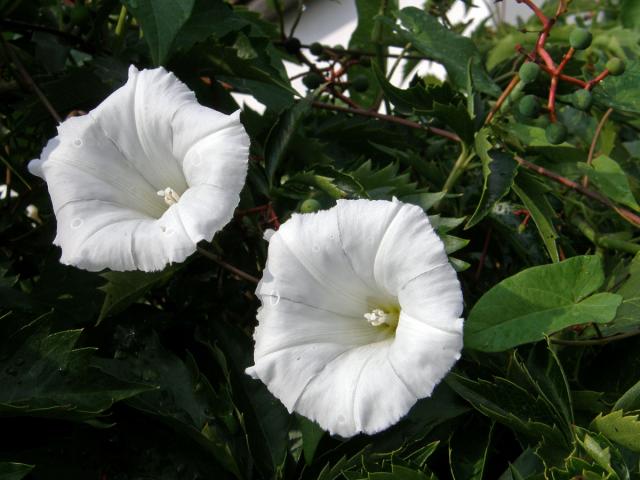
[582, 100]
[312, 80]
[310, 205]
[292, 45]
[615, 66]
[529, 106]
[580, 38]
[79, 15]
[529, 72]
[556, 133]
[360, 83]
[316, 49]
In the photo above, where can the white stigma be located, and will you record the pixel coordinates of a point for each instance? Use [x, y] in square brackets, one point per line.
[170, 196]
[376, 317]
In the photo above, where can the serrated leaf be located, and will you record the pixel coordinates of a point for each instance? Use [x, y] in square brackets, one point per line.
[533, 196]
[610, 179]
[620, 93]
[14, 471]
[499, 169]
[124, 288]
[453, 244]
[281, 134]
[540, 301]
[621, 429]
[44, 375]
[511, 405]
[451, 49]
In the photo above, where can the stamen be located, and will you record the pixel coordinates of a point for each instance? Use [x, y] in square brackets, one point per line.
[376, 317]
[170, 196]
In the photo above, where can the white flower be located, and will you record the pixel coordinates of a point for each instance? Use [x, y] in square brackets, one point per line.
[142, 178]
[360, 315]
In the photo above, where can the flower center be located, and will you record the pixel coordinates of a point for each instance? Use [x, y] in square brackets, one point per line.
[377, 317]
[170, 196]
[385, 318]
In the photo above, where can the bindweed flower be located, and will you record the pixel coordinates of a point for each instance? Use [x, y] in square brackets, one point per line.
[139, 180]
[360, 315]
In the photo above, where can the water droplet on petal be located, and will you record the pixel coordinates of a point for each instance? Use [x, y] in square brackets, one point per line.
[341, 419]
[274, 299]
[77, 142]
[76, 223]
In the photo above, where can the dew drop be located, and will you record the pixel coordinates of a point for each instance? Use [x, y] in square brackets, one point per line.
[341, 419]
[62, 371]
[274, 299]
[76, 223]
[77, 142]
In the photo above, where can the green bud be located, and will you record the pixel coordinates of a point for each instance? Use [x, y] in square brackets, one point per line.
[316, 49]
[616, 66]
[582, 100]
[360, 83]
[312, 80]
[310, 205]
[556, 133]
[529, 72]
[580, 38]
[529, 106]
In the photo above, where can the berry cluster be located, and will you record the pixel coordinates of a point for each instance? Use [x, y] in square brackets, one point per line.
[540, 59]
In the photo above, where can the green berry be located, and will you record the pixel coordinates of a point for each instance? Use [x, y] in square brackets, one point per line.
[310, 205]
[529, 72]
[312, 80]
[292, 45]
[580, 38]
[582, 100]
[316, 49]
[360, 83]
[615, 66]
[529, 106]
[556, 133]
[79, 15]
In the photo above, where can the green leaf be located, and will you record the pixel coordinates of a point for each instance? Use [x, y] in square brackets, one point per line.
[630, 14]
[611, 180]
[398, 472]
[628, 314]
[621, 92]
[444, 46]
[369, 36]
[181, 397]
[468, 451]
[14, 471]
[624, 430]
[161, 21]
[540, 301]
[208, 18]
[511, 405]
[629, 400]
[45, 375]
[312, 433]
[532, 194]
[281, 134]
[499, 169]
[124, 288]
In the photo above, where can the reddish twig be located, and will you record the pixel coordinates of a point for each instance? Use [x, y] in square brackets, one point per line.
[483, 255]
[623, 212]
[502, 98]
[389, 118]
[227, 266]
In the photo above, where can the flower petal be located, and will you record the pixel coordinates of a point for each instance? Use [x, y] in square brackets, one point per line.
[104, 170]
[316, 352]
[308, 265]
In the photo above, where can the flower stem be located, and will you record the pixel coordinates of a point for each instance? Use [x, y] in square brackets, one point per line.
[458, 168]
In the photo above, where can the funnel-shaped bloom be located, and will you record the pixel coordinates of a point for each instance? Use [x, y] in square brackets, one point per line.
[142, 178]
[360, 315]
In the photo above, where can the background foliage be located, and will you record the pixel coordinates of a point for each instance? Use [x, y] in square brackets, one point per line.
[132, 375]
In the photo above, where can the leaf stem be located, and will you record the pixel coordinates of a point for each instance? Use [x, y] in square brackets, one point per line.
[604, 241]
[235, 270]
[594, 142]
